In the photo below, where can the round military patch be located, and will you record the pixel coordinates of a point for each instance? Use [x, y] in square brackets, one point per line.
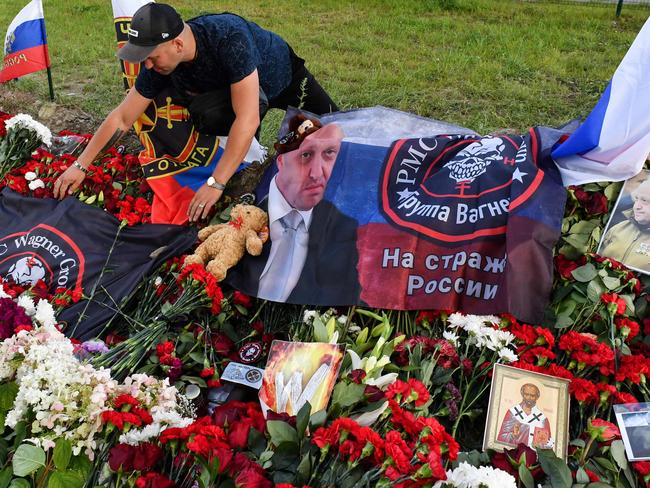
[250, 352]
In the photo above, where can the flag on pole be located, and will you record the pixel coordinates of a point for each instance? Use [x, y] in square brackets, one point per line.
[25, 46]
[614, 141]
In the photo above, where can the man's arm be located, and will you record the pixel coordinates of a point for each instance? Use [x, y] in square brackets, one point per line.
[245, 103]
[116, 124]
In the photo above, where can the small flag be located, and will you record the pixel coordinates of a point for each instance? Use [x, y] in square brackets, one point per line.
[25, 46]
[614, 141]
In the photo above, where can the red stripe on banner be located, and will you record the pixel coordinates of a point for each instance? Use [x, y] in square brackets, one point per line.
[24, 62]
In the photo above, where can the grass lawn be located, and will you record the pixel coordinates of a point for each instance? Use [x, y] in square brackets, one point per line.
[484, 64]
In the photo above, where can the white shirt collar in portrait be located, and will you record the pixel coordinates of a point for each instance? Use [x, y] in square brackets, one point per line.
[277, 284]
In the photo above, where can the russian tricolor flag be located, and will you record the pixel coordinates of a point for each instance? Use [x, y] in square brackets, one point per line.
[25, 46]
[614, 141]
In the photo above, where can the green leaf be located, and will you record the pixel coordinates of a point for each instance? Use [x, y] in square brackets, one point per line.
[585, 273]
[241, 309]
[348, 394]
[304, 468]
[583, 226]
[618, 453]
[581, 475]
[598, 484]
[578, 241]
[578, 443]
[318, 419]
[286, 457]
[563, 321]
[91, 199]
[320, 331]
[606, 463]
[5, 477]
[281, 432]
[302, 419]
[594, 290]
[8, 393]
[556, 469]
[19, 483]
[65, 479]
[62, 454]
[27, 459]
[525, 476]
[611, 283]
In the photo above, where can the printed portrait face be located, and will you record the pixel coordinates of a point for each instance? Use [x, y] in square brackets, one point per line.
[641, 198]
[303, 174]
[529, 394]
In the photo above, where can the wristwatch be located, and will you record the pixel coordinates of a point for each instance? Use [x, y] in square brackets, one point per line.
[212, 183]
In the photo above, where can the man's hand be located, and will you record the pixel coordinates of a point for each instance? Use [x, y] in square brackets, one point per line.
[68, 182]
[203, 202]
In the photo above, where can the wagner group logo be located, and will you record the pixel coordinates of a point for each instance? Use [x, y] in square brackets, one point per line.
[42, 253]
[458, 188]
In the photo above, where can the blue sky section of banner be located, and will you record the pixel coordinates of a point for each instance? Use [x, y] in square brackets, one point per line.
[354, 185]
[27, 35]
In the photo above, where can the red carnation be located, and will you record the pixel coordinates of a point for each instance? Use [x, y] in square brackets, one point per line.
[154, 480]
[615, 304]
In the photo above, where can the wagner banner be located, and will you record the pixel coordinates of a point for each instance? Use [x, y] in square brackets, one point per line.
[79, 247]
[458, 222]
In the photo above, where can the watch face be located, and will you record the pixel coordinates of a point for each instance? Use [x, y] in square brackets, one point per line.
[211, 181]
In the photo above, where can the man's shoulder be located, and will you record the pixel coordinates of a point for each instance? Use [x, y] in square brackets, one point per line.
[218, 21]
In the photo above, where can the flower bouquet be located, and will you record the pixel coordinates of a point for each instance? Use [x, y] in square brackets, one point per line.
[22, 135]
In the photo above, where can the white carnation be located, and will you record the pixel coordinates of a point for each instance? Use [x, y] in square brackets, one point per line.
[33, 185]
[468, 476]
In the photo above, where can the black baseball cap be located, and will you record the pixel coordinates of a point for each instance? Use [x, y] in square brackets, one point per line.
[151, 25]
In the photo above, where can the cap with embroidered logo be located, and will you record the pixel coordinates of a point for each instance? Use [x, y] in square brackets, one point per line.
[151, 25]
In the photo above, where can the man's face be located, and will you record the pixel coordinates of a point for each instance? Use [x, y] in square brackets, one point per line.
[642, 204]
[303, 174]
[165, 57]
[529, 395]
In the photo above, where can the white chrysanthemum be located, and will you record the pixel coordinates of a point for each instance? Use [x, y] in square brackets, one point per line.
[309, 316]
[26, 121]
[507, 355]
[38, 183]
[45, 314]
[30, 175]
[27, 303]
[457, 319]
[451, 337]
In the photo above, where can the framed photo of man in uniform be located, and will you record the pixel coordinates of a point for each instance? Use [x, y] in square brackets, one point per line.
[627, 235]
[527, 408]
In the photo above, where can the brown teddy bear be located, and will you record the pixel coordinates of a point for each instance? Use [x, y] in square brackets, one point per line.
[224, 244]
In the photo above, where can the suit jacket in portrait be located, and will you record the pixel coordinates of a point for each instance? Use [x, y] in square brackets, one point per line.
[329, 276]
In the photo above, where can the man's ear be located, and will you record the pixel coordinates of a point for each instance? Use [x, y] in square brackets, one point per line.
[178, 44]
[279, 161]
